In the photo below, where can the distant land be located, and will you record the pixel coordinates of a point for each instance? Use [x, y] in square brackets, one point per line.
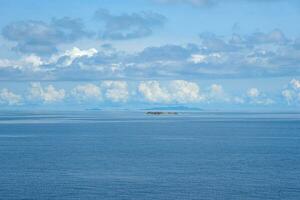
[158, 109]
[93, 109]
[175, 108]
[161, 113]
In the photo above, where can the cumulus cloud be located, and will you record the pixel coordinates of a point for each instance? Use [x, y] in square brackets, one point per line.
[295, 84]
[42, 38]
[10, 98]
[292, 92]
[153, 92]
[128, 26]
[177, 91]
[34, 60]
[47, 94]
[86, 92]
[116, 91]
[185, 91]
[30, 62]
[288, 95]
[253, 92]
[156, 91]
[218, 94]
[68, 57]
[257, 97]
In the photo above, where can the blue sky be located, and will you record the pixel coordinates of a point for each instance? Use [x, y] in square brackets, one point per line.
[211, 54]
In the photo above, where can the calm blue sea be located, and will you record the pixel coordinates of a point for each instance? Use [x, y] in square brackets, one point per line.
[98, 155]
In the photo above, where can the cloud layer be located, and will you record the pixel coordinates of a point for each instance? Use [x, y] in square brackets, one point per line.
[128, 26]
[260, 54]
[156, 92]
[42, 38]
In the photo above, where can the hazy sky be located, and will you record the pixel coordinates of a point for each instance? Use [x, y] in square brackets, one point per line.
[211, 54]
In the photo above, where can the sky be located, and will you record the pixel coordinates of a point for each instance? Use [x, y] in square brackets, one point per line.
[135, 54]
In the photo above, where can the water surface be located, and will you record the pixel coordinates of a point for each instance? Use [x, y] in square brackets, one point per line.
[129, 155]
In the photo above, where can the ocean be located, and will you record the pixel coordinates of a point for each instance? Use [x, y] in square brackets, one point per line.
[124, 155]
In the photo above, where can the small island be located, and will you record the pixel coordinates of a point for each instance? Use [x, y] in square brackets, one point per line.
[161, 113]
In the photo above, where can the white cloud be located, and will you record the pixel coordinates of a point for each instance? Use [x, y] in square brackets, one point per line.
[197, 58]
[217, 89]
[288, 95]
[116, 91]
[34, 60]
[153, 92]
[239, 100]
[256, 97]
[9, 97]
[31, 62]
[295, 84]
[216, 93]
[48, 94]
[71, 55]
[253, 93]
[87, 91]
[210, 58]
[179, 91]
[77, 53]
[184, 91]
[5, 63]
[292, 92]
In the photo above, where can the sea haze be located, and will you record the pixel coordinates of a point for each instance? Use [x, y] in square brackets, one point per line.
[130, 156]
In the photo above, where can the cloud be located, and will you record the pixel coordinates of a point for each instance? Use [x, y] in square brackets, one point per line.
[253, 93]
[295, 84]
[191, 2]
[177, 91]
[128, 26]
[234, 56]
[209, 58]
[86, 92]
[116, 91]
[26, 63]
[144, 92]
[288, 95]
[238, 100]
[202, 3]
[291, 93]
[42, 38]
[185, 91]
[276, 36]
[256, 97]
[67, 58]
[34, 60]
[217, 94]
[166, 53]
[152, 91]
[48, 94]
[10, 98]
[213, 43]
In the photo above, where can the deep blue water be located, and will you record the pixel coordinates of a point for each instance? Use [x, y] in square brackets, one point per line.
[131, 156]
